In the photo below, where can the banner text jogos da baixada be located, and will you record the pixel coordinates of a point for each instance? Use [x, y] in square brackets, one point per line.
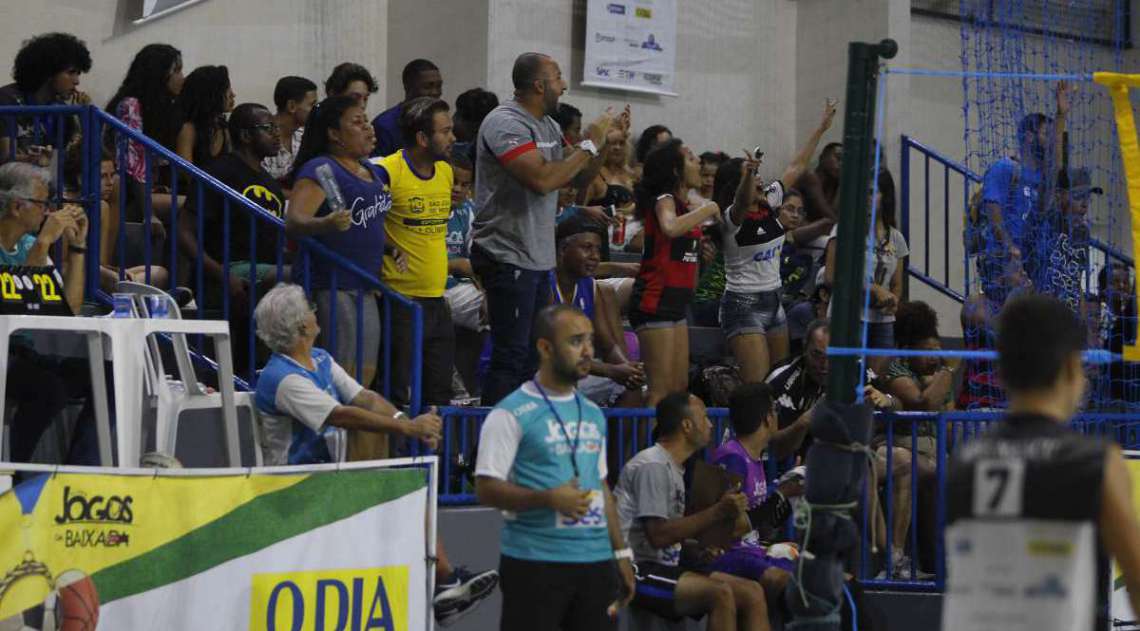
[339, 550]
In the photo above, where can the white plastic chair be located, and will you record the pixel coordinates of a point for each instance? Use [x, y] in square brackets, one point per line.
[169, 397]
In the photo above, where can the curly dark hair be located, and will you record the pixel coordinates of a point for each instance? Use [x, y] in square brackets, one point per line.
[915, 321]
[346, 73]
[663, 171]
[47, 55]
[147, 80]
[202, 103]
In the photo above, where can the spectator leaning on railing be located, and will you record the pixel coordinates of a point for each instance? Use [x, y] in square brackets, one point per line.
[304, 396]
[46, 72]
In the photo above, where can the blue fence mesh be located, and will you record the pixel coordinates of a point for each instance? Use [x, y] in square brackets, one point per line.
[1014, 70]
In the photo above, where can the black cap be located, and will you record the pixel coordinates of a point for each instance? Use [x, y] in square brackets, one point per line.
[1077, 180]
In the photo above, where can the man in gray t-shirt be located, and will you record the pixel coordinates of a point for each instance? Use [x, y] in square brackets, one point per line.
[650, 497]
[520, 166]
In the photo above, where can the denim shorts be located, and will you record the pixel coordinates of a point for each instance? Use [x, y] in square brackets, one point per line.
[751, 314]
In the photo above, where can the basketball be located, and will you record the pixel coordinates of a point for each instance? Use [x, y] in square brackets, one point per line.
[77, 607]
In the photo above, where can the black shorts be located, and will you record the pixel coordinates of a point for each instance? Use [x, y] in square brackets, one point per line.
[549, 595]
[656, 588]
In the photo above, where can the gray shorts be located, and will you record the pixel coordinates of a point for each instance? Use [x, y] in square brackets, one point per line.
[601, 390]
[751, 314]
[346, 350]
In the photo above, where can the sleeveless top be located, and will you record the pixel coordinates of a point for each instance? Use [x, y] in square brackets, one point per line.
[668, 275]
[583, 297]
[1022, 537]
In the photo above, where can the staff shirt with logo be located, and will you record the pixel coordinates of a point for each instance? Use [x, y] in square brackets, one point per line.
[417, 225]
[523, 443]
[259, 187]
[295, 402]
[363, 242]
[514, 224]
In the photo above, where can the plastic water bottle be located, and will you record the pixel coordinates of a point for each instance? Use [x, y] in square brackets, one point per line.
[121, 306]
[158, 307]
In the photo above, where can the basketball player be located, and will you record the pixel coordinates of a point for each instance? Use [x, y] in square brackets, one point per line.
[1035, 511]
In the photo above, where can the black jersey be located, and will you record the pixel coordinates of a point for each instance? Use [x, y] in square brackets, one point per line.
[1023, 532]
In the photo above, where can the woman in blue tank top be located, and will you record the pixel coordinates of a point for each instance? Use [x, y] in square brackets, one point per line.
[333, 156]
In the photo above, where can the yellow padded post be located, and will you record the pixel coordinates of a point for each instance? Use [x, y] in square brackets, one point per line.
[1118, 86]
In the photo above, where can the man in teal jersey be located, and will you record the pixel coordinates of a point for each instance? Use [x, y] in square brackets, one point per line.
[542, 462]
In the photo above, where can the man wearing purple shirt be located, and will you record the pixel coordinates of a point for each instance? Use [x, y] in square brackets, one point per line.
[753, 420]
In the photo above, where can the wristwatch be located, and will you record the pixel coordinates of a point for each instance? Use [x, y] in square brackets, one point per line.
[624, 553]
[589, 147]
[400, 416]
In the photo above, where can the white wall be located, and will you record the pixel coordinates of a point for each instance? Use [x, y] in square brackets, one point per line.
[258, 40]
[735, 69]
[451, 33]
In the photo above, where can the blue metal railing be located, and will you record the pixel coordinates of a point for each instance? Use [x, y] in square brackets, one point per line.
[93, 123]
[920, 268]
[924, 536]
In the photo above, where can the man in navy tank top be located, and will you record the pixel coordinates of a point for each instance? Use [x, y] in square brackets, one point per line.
[614, 380]
[1035, 511]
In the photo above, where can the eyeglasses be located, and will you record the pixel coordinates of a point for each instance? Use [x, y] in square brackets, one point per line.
[272, 128]
[46, 202]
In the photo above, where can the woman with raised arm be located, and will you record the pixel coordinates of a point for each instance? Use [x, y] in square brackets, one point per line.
[668, 275]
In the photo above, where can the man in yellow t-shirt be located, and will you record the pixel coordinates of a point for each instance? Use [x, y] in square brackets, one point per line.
[415, 262]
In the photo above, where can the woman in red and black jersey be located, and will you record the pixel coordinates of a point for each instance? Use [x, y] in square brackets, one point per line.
[664, 286]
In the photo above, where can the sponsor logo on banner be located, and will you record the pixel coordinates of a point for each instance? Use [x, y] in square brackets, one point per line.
[616, 9]
[600, 37]
[652, 78]
[77, 507]
[602, 71]
[87, 517]
[643, 12]
[333, 600]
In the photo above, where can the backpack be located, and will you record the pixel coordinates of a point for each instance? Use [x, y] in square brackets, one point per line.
[976, 219]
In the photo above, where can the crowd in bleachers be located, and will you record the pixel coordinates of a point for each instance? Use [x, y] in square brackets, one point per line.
[697, 272]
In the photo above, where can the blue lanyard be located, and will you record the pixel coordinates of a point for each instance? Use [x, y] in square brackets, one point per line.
[558, 417]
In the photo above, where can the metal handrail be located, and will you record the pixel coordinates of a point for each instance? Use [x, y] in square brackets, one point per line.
[93, 118]
[923, 275]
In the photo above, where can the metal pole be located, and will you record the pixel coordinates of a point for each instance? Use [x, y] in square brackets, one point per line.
[862, 78]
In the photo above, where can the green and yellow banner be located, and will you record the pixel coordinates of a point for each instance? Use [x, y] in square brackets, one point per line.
[331, 550]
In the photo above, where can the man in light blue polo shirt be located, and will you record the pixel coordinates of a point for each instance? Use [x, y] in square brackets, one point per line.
[542, 462]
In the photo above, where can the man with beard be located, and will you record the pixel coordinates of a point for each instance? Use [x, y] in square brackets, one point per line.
[519, 168]
[541, 462]
[416, 227]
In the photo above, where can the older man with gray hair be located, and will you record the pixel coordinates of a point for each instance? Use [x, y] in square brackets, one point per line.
[41, 385]
[305, 395]
[28, 229]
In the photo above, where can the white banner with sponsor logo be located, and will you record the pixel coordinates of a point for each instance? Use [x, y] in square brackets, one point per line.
[300, 548]
[631, 45]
